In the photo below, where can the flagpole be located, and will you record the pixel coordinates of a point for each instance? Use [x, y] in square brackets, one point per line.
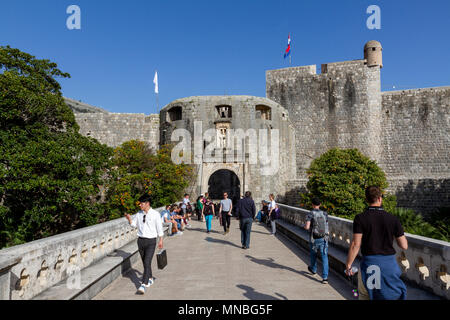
[157, 103]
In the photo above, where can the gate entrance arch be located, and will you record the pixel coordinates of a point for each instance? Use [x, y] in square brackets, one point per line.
[221, 181]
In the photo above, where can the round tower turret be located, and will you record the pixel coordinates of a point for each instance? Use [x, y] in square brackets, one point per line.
[373, 54]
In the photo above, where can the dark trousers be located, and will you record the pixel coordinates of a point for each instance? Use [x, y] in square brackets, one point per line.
[146, 250]
[226, 221]
[246, 228]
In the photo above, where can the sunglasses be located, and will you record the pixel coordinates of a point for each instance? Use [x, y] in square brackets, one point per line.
[144, 218]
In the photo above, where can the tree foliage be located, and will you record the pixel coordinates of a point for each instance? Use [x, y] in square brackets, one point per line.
[139, 171]
[414, 223]
[339, 178]
[49, 173]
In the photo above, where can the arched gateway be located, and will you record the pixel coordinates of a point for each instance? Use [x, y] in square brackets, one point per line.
[224, 180]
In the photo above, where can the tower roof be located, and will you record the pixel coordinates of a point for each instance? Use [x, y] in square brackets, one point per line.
[372, 44]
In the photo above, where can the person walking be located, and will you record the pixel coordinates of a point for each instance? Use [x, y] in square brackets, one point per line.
[246, 212]
[200, 208]
[272, 216]
[317, 223]
[225, 212]
[374, 232]
[149, 225]
[208, 213]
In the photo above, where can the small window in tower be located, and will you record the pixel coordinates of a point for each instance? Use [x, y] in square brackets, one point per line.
[224, 111]
[175, 114]
[373, 49]
[264, 111]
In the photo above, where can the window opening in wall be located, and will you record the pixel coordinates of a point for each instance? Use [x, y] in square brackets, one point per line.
[224, 111]
[265, 111]
[175, 114]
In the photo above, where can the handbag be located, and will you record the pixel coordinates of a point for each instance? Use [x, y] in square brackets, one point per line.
[161, 259]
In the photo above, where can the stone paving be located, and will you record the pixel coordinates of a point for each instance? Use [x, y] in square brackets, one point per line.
[214, 266]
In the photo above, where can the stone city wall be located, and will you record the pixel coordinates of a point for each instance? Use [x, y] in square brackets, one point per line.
[416, 146]
[113, 129]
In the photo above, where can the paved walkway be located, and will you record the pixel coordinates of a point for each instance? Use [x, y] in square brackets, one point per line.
[214, 266]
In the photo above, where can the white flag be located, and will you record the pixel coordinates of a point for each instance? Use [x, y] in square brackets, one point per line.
[155, 81]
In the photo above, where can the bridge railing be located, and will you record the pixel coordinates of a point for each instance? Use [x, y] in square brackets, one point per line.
[33, 267]
[426, 262]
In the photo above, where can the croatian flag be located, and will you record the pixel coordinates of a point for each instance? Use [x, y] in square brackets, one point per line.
[288, 49]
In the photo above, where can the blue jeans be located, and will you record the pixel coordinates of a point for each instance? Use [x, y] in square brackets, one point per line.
[322, 246]
[246, 228]
[208, 222]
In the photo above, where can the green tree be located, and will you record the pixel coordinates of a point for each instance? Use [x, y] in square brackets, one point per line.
[49, 173]
[140, 170]
[339, 178]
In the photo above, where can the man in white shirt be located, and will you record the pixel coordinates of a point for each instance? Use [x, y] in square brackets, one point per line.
[149, 225]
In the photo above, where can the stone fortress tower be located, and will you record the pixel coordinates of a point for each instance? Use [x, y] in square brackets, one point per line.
[373, 54]
[406, 132]
[234, 167]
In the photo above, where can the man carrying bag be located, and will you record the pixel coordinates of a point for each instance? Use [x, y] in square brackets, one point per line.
[149, 225]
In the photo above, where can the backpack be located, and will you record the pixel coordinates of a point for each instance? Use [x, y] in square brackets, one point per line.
[320, 225]
[278, 213]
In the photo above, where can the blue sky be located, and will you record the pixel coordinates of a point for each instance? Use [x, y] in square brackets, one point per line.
[220, 47]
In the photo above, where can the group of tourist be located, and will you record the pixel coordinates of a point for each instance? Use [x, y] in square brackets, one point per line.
[374, 231]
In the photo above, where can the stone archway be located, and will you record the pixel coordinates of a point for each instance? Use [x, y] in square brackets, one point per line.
[224, 180]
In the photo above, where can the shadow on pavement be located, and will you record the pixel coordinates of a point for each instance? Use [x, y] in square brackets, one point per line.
[270, 262]
[209, 239]
[301, 253]
[135, 277]
[201, 230]
[251, 294]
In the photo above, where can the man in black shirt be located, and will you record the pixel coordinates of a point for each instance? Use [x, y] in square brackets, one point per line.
[246, 211]
[374, 232]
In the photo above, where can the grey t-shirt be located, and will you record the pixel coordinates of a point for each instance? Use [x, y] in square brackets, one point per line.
[226, 204]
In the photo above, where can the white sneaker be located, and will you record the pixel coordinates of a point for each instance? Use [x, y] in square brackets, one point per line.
[179, 233]
[150, 282]
[141, 289]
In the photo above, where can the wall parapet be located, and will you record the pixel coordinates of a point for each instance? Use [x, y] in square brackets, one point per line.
[45, 262]
[426, 263]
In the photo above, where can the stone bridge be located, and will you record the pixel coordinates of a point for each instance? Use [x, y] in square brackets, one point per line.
[102, 262]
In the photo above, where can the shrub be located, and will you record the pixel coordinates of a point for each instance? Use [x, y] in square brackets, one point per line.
[415, 224]
[339, 178]
[139, 171]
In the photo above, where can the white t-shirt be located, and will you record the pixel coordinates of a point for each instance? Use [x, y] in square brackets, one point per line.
[272, 205]
[165, 216]
[152, 227]
[185, 202]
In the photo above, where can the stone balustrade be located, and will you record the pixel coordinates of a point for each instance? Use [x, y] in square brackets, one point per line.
[425, 263]
[40, 264]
